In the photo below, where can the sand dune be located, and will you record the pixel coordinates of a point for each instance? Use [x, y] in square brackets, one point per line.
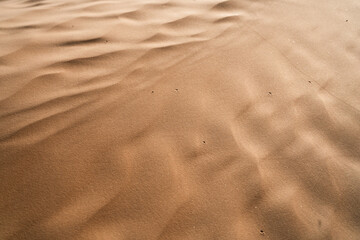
[195, 119]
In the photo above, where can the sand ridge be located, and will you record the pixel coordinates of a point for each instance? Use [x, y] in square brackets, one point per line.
[152, 119]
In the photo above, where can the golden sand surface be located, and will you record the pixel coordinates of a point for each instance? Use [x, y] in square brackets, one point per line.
[180, 119]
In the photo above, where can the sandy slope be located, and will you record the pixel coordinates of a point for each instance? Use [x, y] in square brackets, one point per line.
[180, 119]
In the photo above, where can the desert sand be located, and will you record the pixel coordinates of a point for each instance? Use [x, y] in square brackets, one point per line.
[180, 119]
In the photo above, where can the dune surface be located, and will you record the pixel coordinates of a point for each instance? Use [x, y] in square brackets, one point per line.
[180, 119]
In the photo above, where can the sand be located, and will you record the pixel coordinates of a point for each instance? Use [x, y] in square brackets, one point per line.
[180, 119]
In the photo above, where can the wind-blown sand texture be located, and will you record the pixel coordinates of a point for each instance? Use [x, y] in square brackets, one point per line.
[180, 119]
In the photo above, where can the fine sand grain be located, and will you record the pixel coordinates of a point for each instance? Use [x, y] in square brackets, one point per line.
[180, 119]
